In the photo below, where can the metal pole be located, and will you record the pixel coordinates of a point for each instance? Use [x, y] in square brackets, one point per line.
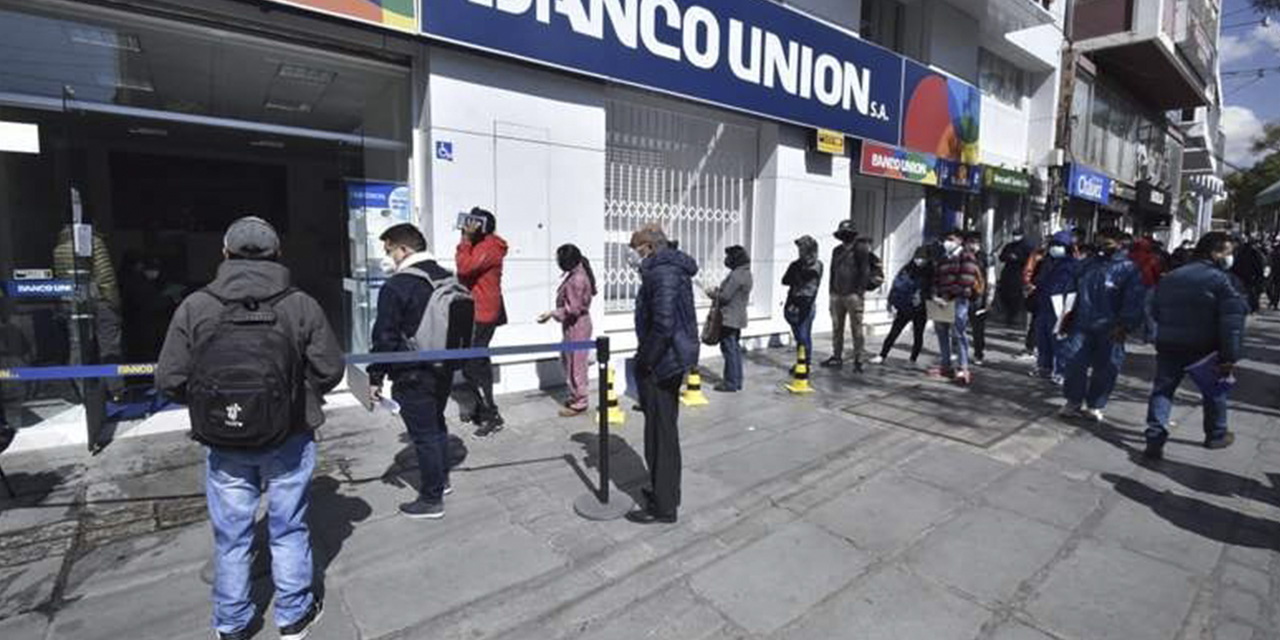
[602, 363]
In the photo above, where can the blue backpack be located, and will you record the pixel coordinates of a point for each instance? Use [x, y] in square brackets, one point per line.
[905, 293]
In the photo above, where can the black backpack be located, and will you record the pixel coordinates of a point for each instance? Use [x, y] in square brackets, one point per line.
[245, 391]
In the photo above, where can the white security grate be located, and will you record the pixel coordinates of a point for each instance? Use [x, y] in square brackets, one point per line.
[694, 176]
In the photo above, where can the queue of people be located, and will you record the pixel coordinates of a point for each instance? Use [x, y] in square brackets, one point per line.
[252, 356]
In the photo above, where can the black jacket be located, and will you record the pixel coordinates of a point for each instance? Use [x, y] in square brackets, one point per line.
[401, 303]
[666, 325]
[199, 314]
[851, 274]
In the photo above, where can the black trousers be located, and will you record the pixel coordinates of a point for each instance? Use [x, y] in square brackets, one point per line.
[978, 323]
[479, 373]
[917, 318]
[661, 402]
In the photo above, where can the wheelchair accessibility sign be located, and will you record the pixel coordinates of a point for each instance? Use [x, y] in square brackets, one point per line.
[444, 151]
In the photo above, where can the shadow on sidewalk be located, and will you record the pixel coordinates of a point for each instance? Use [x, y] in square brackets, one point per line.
[333, 520]
[1203, 518]
[627, 469]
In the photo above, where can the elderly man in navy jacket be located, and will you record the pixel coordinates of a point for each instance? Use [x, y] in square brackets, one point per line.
[667, 330]
[1199, 311]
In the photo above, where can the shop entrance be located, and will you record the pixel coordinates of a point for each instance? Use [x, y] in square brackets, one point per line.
[152, 137]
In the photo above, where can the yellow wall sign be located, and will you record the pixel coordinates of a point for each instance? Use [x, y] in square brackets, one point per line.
[829, 141]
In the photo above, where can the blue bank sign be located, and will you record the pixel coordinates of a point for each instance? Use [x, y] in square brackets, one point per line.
[48, 289]
[749, 55]
[1087, 184]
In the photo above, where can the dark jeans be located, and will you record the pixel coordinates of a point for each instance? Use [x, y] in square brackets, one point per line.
[661, 402]
[1096, 351]
[1049, 348]
[978, 322]
[479, 374]
[803, 332]
[422, 401]
[1170, 369]
[1030, 343]
[731, 349]
[918, 319]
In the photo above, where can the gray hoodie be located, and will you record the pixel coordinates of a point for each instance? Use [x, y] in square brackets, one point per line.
[198, 316]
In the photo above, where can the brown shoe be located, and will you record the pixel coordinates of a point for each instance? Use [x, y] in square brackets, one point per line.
[570, 412]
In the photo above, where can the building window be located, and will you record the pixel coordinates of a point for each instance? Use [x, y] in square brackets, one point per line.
[692, 174]
[883, 22]
[1000, 79]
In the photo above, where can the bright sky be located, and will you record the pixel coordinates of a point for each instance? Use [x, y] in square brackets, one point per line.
[1249, 102]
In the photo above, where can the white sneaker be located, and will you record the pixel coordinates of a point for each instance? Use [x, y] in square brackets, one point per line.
[876, 360]
[1069, 411]
[1096, 415]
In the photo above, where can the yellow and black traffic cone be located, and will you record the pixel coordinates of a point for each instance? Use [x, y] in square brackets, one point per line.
[800, 374]
[616, 414]
[693, 395]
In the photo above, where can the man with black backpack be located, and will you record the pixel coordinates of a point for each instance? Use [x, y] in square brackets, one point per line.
[422, 307]
[252, 357]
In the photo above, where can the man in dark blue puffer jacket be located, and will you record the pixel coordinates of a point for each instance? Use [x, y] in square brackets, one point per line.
[667, 330]
[1109, 305]
[1198, 311]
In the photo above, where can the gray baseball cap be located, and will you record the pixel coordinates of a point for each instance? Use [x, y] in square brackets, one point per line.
[251, 237]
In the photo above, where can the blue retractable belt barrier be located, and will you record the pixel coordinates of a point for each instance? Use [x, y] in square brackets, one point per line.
[95, 371]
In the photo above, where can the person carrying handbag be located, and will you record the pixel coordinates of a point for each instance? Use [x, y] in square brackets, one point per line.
[731, 297]
[803, 277]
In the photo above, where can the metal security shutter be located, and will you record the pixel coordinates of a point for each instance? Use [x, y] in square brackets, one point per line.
[693, 175]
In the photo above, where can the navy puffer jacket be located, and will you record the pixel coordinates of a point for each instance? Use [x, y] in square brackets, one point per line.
[1109, 293]
[1198, 310]
[666, 324]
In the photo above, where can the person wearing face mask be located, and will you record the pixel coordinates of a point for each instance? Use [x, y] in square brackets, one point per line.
[1198, 312]
[981, 299]
[911, 287]
[1055, 278]
[1109, 306]
[854, 272]
[667, 348]
[573, 311]
[732, 295]
[1250, 266]
[803, 277]
[1013, 257]
[956, 280]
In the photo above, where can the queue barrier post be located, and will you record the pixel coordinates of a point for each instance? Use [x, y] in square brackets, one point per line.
[602, 504]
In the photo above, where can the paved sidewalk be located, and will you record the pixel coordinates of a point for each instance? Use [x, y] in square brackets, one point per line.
[885, 506]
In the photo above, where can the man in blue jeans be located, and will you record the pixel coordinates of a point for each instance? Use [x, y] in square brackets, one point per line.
[957, 279]
[1199, 311]
[237, 476]
[1108, 307]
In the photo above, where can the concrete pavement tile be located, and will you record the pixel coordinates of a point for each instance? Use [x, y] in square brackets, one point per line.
[27, 586]
[175, 608]
[1254, 580]
[885, 513]
[1018, 631]
[1237, 631]
[1104, 592]
[954, 469]
[28, 626]
[1045, 495]
[431, 579]
[892, 605]
[758, 462]
[987, 552]
[1241, 604]
[803, 565]
[673, 614]
[1143, 529]
[1085, 451]
[141, 560]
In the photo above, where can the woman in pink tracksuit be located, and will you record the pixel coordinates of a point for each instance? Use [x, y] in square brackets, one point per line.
[573, 310]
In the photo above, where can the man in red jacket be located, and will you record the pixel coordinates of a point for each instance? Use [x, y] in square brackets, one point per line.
[479, 260]
[957, 279]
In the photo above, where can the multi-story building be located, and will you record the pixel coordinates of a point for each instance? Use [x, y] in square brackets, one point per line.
[573, 121]
[1130, 69]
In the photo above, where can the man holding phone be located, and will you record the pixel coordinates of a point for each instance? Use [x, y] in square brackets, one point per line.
[479, 258]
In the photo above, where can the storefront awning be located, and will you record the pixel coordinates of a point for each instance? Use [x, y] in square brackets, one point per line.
[1268, 197]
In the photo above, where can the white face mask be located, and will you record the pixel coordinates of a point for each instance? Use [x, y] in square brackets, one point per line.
[387, 264]
[1058, 251]
[950, 246]
[634, 259]
[919, 262]
[151, 274]
[1227, 262]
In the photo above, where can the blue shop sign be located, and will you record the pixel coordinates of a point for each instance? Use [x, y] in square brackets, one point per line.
[45, 289]
[1087, 184]
[749, 55]
[959, 176]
